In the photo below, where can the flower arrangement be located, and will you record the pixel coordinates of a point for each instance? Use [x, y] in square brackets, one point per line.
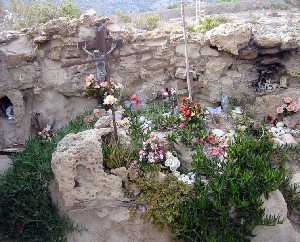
[47, 133]
[153, 151]
[94, 88]
[288, 107]
[145, 126]
[191, 126]
[190, 111]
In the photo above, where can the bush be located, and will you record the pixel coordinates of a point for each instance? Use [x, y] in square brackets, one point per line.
[163, 199]
[227, 205]
[26, 211]
[146, 22]
[27, 15]
[207, 24]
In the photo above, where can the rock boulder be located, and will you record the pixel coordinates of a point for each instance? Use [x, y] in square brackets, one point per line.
[230, 37]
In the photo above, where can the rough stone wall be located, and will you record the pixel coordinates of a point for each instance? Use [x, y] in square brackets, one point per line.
[226, 61]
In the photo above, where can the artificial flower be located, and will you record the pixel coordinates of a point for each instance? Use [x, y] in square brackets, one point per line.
[280, 109]
[211, 139]
[293, 107]
[135, 99]
[181, 125]
[89, 80]
[215, 151]
[287, 100]
[172, 162]
[110, 100]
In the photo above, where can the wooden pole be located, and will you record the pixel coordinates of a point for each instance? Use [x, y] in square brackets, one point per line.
[187, 68]
[197, 17]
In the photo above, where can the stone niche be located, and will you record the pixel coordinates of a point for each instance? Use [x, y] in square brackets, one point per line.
[14, 125]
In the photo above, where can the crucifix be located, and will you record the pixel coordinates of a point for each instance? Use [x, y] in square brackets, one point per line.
[100, 50]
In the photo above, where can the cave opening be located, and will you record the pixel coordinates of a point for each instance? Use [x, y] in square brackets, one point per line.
[6, 108]
[270, 77]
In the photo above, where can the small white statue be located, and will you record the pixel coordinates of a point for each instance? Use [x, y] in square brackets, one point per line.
[10, 113]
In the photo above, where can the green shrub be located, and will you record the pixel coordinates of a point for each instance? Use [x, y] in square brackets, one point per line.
[163, 199]
[26, 211]
[27, 15]
[207, 24]
[228, 205]
[146, 22]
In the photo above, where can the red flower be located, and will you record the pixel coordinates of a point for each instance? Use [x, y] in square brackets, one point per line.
[185, 111]
[135, 99]
[211, 139]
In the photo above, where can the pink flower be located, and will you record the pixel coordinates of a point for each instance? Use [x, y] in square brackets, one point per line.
[215, 151]
[293, 107]
[280, 109]
[181, 125]
[135, 99]
[164, 93]
[287, 100]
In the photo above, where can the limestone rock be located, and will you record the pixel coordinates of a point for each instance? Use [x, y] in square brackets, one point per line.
[279, 233]
[268, 40]
[5, 163]
[292, 121]
[193, 50]
[103, 122]
[93, 199]
[185, 155]
[208, 51]
[18, 51]
[276, 205]
[288, 139]
[77, 167]
[181, 74]
[230, 37]
[121, 172]
[7, 36]
[296, 181]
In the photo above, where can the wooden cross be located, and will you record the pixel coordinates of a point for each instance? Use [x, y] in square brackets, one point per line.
[100, 49]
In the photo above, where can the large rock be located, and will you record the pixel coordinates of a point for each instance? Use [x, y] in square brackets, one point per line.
[230, 37]
[78, 170]
[93, 199]
[5, 163]
[275, 206]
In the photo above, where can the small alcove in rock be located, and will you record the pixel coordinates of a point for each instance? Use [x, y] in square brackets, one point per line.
[6, 108]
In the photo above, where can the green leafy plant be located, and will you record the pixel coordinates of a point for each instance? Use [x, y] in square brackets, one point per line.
[116, 155]
[227, 204]
[146, 22]
[26, 210]
[27, 15]
[163, 199]
[207, 24]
